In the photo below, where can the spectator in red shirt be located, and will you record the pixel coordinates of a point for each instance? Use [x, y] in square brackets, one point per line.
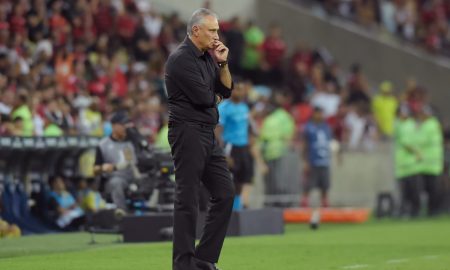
[4, 34]
[301, 54]
[76, 82]
[117, 79]
[274, 49]
[58, 24]
[17, 20]
[126, 25]
[104, 17]
[78, 29]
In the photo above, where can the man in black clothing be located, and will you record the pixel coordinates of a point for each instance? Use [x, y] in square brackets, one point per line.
[197, 79]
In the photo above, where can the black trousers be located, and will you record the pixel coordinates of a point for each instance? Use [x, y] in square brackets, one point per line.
[198, 158]
[410, 188]
[431, 187]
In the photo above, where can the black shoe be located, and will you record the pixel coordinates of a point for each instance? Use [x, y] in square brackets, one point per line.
[204, 265]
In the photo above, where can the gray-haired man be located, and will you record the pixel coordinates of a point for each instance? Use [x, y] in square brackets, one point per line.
[197, 79]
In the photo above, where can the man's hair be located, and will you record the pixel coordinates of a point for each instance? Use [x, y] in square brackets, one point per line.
[197, 18]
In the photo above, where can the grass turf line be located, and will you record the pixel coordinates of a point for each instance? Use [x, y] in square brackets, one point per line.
[424, 243]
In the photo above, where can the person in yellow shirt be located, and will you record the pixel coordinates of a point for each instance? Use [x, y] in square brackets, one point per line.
[8, 230]
[384, 107]
[89, 198]
[91, 120]
[98, 213]
[162, 140]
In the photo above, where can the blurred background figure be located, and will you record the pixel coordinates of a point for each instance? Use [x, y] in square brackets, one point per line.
[275, 137]
[22, 111]
[237, 137]
[115, 160]
[234, 134]
[99, 213]
[8, 230]
[88, 197]
[252, 58]
[63, 208]
[316, 157]
[407, 158]
[431, 147]
[274, 50]
[234, 37]
[384, 107]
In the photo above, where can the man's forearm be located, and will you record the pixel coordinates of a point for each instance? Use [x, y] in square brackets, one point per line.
[225, 76]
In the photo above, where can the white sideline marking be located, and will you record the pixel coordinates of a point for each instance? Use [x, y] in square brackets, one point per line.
[397, 261]
[393, 261]
[431, 257]
[355, 266]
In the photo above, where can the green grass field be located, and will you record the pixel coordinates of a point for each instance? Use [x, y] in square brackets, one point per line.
[394, 245]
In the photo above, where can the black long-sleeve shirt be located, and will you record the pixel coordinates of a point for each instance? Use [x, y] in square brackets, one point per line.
[192, 81]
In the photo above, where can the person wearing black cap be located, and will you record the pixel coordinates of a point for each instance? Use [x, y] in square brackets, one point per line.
[115, 159]
[197, 78]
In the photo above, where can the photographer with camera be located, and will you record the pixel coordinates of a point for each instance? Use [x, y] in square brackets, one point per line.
[116, 160]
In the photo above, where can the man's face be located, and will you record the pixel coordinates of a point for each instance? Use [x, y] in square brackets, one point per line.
[207, 32]
[18, 124]
[318, 116]
[239, 92]
[119, 131]
[59, 185]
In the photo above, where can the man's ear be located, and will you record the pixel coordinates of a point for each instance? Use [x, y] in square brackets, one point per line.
[195, 30]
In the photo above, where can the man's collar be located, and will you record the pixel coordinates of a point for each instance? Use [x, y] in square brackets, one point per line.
[191, 44]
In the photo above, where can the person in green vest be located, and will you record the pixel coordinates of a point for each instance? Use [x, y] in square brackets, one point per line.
[431, 147]
[446, 172]
[384, 107]
[407, 158]
[162, 141]
[51, 129]
[253, 57]
[275, 136]
[22, 110]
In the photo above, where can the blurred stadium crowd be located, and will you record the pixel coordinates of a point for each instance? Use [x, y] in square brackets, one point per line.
[66, 66]
[421, 22]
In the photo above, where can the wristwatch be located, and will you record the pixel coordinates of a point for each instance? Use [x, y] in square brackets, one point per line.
[222, 64]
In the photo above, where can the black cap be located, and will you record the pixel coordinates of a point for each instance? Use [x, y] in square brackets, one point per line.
[317, 109]
[120, 118]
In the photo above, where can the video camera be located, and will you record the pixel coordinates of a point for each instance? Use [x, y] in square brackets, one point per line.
[156, 167]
